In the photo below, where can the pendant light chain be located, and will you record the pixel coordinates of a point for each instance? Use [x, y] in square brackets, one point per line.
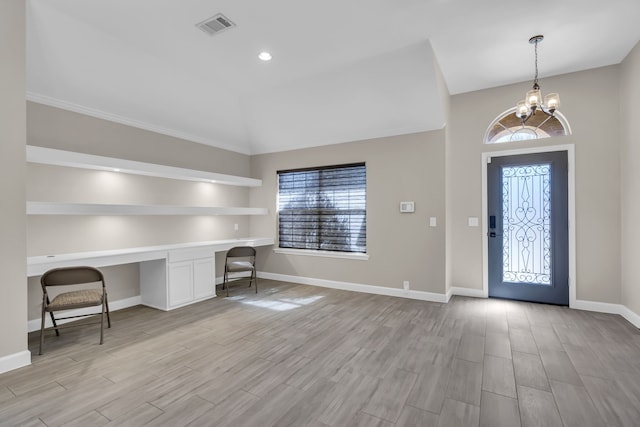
[535, 80]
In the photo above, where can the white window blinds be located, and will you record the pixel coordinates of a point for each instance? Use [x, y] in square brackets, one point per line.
[323, 208]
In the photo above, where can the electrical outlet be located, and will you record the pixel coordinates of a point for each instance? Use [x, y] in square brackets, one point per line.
[236, 227]
[405, 285]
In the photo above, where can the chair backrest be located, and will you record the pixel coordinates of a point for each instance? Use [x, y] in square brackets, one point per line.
[241, 251]
[71, 276]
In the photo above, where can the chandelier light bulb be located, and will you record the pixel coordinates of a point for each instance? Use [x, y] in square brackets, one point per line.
[552, 101]
[522, 110]
[533, 98]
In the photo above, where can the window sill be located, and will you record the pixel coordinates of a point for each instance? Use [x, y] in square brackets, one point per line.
[326, 254]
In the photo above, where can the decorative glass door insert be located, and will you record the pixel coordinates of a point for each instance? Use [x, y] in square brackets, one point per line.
[526, 224]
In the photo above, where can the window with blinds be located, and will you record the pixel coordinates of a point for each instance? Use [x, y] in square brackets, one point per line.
[323, 208]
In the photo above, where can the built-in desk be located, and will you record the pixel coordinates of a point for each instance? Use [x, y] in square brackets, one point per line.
[171, 276]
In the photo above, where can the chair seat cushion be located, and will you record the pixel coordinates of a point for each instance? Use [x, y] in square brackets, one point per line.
[239, 266]
[75, 299]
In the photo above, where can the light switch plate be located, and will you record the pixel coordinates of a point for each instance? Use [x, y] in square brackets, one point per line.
[473, 221]
[407, 207]
[433, 221]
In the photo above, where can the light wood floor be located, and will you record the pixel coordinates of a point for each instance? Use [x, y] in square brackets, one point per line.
[298, 355]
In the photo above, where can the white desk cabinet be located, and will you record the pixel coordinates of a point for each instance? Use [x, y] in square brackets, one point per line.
[204, 273]
[180, 283]
[189, 276]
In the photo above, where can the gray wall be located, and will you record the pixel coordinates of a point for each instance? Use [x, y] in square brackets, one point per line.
[590, 103]
[13, 303]
[65, 130]
[55, 128]
[401, 246]
[630, 159]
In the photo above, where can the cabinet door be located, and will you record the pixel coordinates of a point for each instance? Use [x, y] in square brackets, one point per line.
[204, 273]
[180, 282]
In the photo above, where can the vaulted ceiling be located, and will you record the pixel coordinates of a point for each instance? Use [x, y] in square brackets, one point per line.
[342, 70]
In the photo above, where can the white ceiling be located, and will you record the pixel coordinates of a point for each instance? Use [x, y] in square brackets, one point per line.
[342, 70]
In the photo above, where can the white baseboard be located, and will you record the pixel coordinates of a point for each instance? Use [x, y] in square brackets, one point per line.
[34, 324]
[603, 307]
[15, 361]
[357, 287]
[631, 316]
[600, 307]
[465, 292]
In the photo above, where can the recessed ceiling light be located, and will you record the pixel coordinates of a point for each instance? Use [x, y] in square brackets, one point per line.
[116, 170]
[265, 56]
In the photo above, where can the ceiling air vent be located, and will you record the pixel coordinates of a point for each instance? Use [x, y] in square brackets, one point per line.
[216, 24]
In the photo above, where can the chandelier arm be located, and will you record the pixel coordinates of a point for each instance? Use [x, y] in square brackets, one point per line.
[524, 120]
[547, 111]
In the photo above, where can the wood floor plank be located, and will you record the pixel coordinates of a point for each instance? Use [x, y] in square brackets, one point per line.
[612, 403]
[390, 397]
[182, 412]
[362, 419]
[522, 340]
[429, 390]
[465, 384]
[313, 402]
[498, 377]
[224, 413]
[518, 320]
[138, 416]
[326, 365]
[5, 394]
[267, 380]
[498, 411]
[497, 344]
[546, 338]
[459, 414]
[529, 371]
[575, 405]
[538, 408]
[32, 404]
[219, 388]
[558, 366]
[471, 348]
[585, 360]
[92, 418]
[349, 399]
[35, 422]
[267, 411]
[411, 417]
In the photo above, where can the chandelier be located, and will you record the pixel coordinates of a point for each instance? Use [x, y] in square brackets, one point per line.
[533, 99]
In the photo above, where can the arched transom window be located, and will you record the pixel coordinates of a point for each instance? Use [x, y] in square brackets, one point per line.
[509, 128]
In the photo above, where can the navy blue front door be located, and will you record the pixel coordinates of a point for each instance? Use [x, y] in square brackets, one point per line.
[528, 227]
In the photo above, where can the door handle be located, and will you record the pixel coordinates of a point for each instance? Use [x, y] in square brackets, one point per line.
[493, 234]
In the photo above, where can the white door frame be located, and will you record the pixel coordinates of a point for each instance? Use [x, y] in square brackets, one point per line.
[571, 176]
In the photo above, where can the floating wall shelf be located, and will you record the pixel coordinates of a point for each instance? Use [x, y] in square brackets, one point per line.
[50, 156]
[55, 208]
